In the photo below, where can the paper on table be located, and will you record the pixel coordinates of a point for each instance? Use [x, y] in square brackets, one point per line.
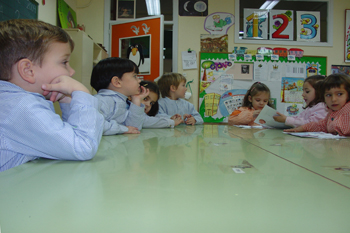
[266, 116]
[321, 135]
[249, 126]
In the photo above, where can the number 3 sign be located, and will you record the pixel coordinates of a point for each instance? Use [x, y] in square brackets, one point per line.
[308, 26]
[281, 24]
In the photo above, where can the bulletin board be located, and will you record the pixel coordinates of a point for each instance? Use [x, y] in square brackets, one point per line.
[19, 9]
[223, 82]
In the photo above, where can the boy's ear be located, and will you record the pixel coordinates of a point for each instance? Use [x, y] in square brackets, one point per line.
[116, 82]
[173, 88]
[25, 68]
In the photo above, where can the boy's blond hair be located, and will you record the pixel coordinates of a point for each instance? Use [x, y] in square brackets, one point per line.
[167, 80]
[27, 38]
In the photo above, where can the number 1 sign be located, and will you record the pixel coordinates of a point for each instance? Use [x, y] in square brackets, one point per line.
[308, 26]
[281, 25]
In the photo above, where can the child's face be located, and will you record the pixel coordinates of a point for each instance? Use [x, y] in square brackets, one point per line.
[54, 64]
[181, 90]
[130, 84]
[336, 97]
[308, 93]
[149, 101]
[259, 100]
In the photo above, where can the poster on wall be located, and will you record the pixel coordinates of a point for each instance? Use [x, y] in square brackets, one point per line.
[68, 17]
[308, 26]
[255, 24]
[347, 35]
[193, 7]
[218, 22]
[281, 25]
[214, 43]
[126, 9]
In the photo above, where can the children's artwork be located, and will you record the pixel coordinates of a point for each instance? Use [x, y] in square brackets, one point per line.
[340, 69]
[211, 101]
[255, 24]
[242, 70]
[261, 71]
[281, 25]
[189, 60]
[193, 8]
[126, 9]
[308, 26]
[218, 22]
[137, 49]
[265, 118]
[312, 69]
[68, 17]
[226, 82]
[214, 43]
[292, 109]
[347, 35]
[292, 90]
[222, 83]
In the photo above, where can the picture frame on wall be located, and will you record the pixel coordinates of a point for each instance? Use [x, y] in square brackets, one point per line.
[347, 35]
[126, 9]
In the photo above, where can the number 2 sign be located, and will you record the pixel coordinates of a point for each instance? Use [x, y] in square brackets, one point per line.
[308, 26]
[281, 25]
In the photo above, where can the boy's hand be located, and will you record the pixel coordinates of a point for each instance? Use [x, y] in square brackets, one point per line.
[178, 121]
[297, 129]
[189, 119]
[280, 117]
[176, 116]
[136, 99]
[61, 88]
[256, 113]
[132, 130]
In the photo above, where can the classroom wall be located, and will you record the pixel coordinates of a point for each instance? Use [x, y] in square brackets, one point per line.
[190, 29]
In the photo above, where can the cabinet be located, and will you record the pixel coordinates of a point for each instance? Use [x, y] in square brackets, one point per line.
[85, 55]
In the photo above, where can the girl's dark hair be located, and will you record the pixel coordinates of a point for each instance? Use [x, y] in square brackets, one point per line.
[336, 80]
[152, 86]
[253, 90]
[107, 68]
[316, 81]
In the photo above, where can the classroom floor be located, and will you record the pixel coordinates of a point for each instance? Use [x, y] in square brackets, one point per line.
[207, 178]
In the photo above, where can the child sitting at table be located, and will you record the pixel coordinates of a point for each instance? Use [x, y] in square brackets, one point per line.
[35, 72]
[173, 88]
[254, 101]
[335, 89]
[315, 108]
[115, 80]
[152, 107]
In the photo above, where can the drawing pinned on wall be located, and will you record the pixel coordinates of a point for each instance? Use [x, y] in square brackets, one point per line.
[281, 25]
[312, 69]
[211, 70]
[292, 90]
[308, 26]
[347, 35]
[255, 24]
[226, 82]
[292, 109]
[218, 22]
[193, 7]
[231, 100]
[214, 43]
[211, 102]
